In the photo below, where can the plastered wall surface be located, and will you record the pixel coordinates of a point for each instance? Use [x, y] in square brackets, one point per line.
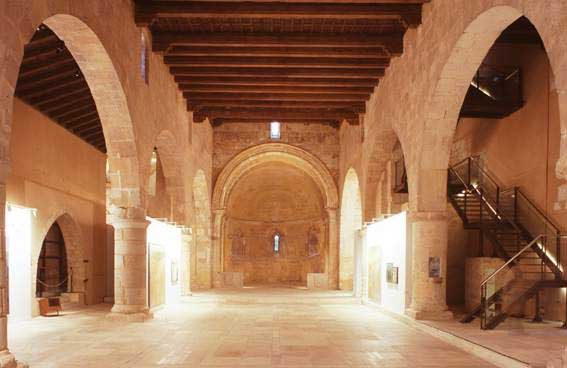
[65, 177]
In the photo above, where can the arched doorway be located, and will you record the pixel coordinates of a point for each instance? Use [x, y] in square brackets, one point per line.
[201, 266]
[351, 222]
[58, 264]
[52, 275]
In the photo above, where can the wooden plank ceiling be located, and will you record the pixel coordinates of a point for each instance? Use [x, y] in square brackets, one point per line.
[291, 61]
[51, 81]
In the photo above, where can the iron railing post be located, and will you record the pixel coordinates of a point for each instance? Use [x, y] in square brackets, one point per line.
[469, 171]
[516, 205]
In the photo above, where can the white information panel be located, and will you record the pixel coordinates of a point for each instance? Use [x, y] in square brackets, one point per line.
[389, 236]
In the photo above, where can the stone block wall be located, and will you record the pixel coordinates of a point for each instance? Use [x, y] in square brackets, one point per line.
[319, 140]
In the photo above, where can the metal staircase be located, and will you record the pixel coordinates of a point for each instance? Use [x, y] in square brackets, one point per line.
[520, 234]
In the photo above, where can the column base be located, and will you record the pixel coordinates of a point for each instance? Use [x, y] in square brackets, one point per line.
[7, 360]
[127, 313]
[421, 315]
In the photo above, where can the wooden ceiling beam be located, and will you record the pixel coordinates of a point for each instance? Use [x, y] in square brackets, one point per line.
[52, 75]
[288, 62]
[69, 119]
[272, 89]
[63, 58]
[86, 120]
[220, 121]
[146, 11]
[54, 87]
[41, 49]
[276, 81]
[46, 98]
[358, 107]
[69, 109]
[277, 72]
[163, 40]
[90, 131]
[274, 114]
[330, 52]
[193, 97]
[60, 108]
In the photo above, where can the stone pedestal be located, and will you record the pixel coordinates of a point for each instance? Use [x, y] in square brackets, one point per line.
[476, 270]
[317, 281]
[429, 246]
[130, 271]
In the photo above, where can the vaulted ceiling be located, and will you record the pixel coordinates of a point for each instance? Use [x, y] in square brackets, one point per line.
[292, 61]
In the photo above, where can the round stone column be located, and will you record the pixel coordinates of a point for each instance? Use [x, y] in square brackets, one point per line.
[428, 232]
[7, 360]
[185, 269]
[130, 270]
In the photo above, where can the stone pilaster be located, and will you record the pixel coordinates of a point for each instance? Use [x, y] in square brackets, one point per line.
[7, 360]
[363, 266]
[130, 270]
[185, 269]
[429, 244]
[217, 247]
[333, 258]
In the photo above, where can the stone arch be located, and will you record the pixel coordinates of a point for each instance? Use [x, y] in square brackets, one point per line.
[445, 103]
[201, 255]
[274, 152]
[108, 94]
[74, 247]
[381, 148]
[351, 221]
[270, 153]
[170, 155]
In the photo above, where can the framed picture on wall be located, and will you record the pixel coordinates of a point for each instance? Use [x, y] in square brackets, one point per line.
[434, 267]
[391, 273]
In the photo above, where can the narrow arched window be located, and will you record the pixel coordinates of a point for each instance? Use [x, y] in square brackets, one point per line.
[275, 131]
[144, 59]
[276, 243]
[152, 179]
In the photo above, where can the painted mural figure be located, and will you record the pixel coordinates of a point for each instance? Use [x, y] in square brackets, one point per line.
[238, 246]
[313, 241]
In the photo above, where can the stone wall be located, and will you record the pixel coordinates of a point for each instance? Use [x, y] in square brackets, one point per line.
[440, 58]
[275, 200]
[319, 140]
[58, 174]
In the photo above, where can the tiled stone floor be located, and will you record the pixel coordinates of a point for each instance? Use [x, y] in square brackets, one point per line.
[250, 328]
[534, 344]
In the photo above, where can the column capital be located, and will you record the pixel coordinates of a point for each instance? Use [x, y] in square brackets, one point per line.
[118, 214]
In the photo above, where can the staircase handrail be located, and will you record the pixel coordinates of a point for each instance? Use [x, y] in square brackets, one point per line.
[512, 259]
[538, 211]
[484, 172]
